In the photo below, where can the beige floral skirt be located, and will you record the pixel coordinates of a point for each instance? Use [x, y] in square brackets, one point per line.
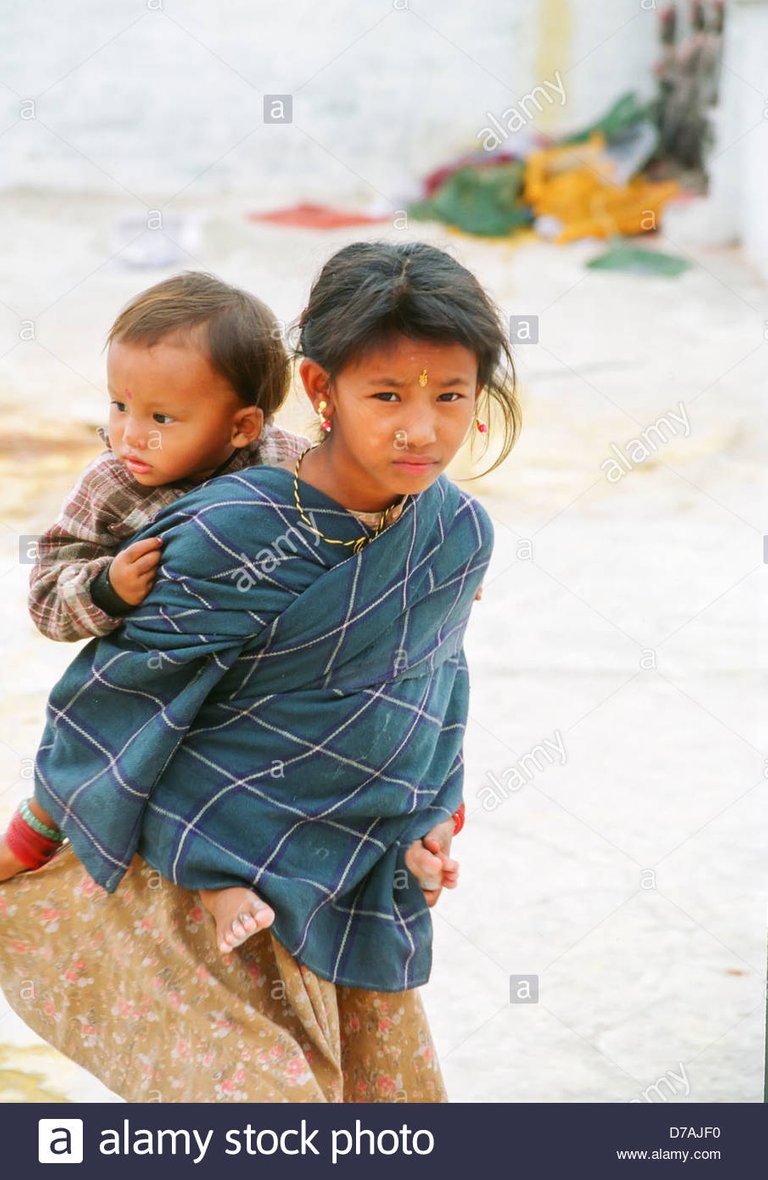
[131, 987]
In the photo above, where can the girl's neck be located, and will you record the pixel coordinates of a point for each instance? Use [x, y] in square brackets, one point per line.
[341, 483]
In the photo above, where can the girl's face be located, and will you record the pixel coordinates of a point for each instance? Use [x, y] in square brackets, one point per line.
[398, 416]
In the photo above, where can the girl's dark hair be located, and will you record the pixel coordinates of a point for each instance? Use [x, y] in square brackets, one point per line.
[242, 336]
[371, 291]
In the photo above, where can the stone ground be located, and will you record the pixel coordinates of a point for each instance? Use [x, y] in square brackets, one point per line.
[616, 842]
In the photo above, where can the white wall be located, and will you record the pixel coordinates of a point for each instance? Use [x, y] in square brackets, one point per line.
[745, 153]
[150, 96]
[734, 209]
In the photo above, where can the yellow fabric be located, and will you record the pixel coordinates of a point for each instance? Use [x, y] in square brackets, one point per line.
[574, 185]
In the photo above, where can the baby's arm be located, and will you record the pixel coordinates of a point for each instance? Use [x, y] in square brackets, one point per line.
[72, 592]
[60, 600]
[129, 577]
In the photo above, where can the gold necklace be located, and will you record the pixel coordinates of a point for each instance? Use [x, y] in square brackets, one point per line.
[357, 543]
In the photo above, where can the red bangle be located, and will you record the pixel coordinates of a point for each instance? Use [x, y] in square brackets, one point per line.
[27, 845]
[458, 819]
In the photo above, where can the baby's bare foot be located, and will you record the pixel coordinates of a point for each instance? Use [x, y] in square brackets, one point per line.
[238, 913]
[425, 866]
[10, 865]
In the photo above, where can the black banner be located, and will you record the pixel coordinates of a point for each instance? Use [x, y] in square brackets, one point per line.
[454, 1140]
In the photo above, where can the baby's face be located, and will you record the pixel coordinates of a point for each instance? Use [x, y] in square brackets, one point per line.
[171, 415]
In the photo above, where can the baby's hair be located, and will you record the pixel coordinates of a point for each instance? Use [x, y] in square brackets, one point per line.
[371, 291]
[240, 333]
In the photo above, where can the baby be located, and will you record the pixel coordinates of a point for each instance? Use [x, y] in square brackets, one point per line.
[195, 368]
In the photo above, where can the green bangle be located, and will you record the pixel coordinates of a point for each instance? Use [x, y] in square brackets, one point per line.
[38, 826]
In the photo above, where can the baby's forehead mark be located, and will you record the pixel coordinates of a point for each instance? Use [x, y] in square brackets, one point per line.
[128, 393]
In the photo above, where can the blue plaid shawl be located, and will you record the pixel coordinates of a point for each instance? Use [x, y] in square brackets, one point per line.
[280, 714]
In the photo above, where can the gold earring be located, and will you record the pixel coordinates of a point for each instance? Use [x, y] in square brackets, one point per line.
[326, 422]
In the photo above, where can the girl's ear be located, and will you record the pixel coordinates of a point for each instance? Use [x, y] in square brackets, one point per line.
[315, 381]
[247, 426]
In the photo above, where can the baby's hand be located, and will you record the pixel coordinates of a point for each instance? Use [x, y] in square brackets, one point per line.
[132, 572]
[430, 863]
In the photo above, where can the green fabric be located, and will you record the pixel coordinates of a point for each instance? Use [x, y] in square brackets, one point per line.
[479, 199]
[637, 260]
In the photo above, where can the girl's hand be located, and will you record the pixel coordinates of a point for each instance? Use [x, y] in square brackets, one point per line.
[132, 573]
[430, 863]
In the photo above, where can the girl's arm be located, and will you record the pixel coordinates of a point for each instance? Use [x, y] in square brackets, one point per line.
[430, 862]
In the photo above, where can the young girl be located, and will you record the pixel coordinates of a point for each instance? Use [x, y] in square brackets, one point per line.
[285, 711]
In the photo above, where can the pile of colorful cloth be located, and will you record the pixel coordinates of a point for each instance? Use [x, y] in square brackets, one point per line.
[593, 184]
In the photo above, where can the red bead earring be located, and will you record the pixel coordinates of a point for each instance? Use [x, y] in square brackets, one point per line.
[326, 422]
[481, 426]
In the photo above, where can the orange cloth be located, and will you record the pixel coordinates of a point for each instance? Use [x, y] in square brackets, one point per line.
[574, 184]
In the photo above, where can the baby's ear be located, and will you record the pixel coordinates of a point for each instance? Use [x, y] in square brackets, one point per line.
[247, 426]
